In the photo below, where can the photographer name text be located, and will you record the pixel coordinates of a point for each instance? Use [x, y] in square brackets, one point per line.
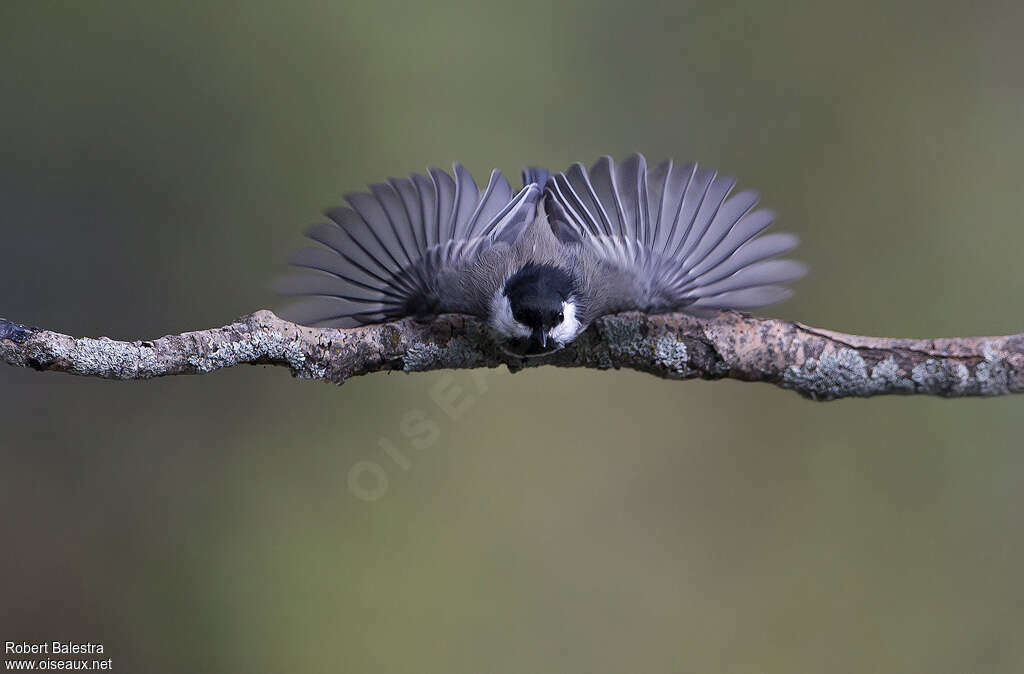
[52, 648]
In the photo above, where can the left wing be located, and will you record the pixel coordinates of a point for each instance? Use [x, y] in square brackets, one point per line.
[405, 249]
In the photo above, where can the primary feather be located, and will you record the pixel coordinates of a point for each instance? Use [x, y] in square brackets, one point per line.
[384, 255]
[670, 238]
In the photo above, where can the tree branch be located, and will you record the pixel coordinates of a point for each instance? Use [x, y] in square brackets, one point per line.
[818, 364]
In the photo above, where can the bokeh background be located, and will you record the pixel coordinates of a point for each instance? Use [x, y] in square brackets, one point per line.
[157, 161]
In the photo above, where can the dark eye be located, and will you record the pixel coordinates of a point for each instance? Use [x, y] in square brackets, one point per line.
[560, 317]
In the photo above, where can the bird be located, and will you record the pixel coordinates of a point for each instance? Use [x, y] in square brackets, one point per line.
[540, 264]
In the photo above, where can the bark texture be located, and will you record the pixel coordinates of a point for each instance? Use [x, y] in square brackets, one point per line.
[818, 364]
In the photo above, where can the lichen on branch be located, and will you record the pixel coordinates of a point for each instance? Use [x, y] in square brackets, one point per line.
[818, 364]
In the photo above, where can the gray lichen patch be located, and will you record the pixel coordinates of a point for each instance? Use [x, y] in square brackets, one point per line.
[831, 376]
[301, 365]
[845, 373]
[226, 354]
[670, 354]
[887, 376]
[942, 377]
[259, 345]
[458, 353]
[420, 357]
[104, 357]
[623, 342]
[994, 373]
[622, 338]
[389, 337]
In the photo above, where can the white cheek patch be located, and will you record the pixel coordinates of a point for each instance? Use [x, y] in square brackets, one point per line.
[566, 331]
[502, 320]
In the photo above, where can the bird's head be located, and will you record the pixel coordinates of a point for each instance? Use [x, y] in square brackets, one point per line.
[535, 310]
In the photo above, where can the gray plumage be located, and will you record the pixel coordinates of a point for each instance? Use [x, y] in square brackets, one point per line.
[409, 247]
[619, 237]
[672, 238]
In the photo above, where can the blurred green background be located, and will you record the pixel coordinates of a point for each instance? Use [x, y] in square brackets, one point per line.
[159, 159]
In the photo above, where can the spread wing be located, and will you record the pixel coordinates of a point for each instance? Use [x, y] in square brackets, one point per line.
[671, 238]
[384, 255]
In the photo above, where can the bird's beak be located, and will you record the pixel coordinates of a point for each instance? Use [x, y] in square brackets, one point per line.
[541, 337]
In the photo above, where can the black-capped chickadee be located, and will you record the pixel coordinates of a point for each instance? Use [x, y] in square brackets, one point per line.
[541, 264]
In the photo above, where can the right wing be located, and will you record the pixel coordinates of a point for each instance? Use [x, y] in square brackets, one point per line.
[381, 257]
[669, 239]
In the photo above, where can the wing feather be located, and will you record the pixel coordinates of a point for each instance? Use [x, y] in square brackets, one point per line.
[323, 260]
[395, 212]
[674, 234]
[444, 187]
[657, 191]
[708, 209]
[767, 272]
[750, 298]
[426, 193]
[590, 204]
[761, 248]
[372, 213]
[497, 195]
[414, 218]
[467, 197]
[385, 254]
[677, 187]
